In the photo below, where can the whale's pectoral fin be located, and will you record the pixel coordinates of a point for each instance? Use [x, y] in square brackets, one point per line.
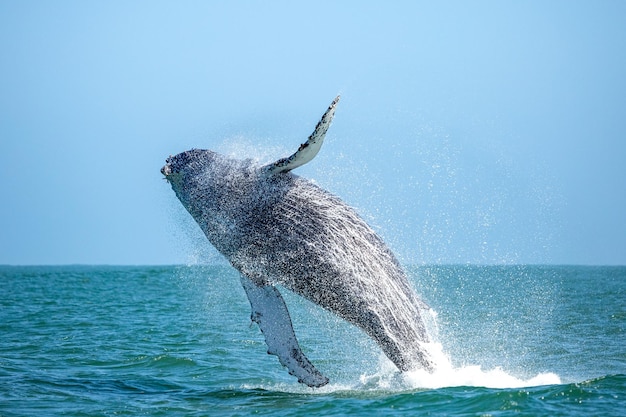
[270, 312]
[308, 149]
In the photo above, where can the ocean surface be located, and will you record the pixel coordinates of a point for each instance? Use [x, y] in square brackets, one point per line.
[168, 341]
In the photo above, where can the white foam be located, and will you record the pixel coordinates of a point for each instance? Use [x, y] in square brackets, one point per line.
[446, 375]
[475, 376]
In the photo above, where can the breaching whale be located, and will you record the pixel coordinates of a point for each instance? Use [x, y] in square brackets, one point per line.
[278, 228]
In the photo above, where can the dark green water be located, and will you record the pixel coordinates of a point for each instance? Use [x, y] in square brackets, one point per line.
[79, 340]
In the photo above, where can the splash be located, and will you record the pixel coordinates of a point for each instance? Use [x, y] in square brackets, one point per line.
[388, 379]
[445, 374]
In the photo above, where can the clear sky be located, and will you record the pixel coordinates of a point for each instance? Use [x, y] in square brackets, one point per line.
[481, 132]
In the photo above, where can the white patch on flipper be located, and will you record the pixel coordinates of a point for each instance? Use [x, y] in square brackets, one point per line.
[270, 313]
[308, 149]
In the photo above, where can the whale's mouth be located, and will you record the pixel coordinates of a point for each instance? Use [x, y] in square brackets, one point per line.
[166, 170]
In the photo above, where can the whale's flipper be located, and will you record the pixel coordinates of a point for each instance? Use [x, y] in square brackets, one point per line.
[308, 149]
[270, 313]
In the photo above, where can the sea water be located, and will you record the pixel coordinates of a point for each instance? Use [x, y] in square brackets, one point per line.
[510, 340]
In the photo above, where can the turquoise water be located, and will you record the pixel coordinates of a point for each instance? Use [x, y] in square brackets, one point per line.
[519, 340]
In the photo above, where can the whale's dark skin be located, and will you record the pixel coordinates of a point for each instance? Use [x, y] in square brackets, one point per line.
[278, 228]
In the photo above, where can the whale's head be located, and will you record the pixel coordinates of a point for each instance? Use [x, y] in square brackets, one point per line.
[211, 186]
[206, 169]
[195, 173]
[187, 164]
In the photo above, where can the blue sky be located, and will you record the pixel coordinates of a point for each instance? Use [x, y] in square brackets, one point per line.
[480, 132]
